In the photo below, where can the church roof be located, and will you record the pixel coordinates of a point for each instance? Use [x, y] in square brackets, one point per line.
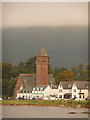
[42, 52]
[29, 80]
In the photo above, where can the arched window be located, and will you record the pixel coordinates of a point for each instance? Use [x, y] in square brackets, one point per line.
[28, 91]
[24, 91]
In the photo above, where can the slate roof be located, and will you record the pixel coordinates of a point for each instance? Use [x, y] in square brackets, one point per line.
[42, 52]
[82, 84]
[29, 80]
[51, 82]
[66, 85]
[44, 87]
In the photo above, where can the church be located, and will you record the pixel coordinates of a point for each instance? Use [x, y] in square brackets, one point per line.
[41, 79]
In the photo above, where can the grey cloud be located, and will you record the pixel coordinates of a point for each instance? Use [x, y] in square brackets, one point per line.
[66, 46]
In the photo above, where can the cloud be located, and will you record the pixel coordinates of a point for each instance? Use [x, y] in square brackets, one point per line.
[66, 46]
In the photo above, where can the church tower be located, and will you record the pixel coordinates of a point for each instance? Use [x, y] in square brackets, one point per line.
[42, 68]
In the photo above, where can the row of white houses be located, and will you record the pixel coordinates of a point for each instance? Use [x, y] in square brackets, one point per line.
[77, 90]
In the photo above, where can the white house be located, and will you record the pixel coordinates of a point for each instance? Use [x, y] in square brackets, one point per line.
[80, 90]
[77, 90]
[23, 94]
[65, 90]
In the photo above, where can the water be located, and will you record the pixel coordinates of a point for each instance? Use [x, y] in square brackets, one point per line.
[42, 112]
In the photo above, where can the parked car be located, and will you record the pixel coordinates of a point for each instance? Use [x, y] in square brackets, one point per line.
[34, 98]
[39, 98]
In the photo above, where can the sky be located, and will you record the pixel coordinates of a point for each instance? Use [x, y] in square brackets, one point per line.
[44, 14]
[61, 28]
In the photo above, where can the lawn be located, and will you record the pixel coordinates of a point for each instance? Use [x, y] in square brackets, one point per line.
[56, 103]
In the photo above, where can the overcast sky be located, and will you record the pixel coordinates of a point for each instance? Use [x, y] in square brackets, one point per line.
[61, 28]
[44, 14]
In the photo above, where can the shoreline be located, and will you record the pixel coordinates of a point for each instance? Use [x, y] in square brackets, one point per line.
[59, 106]
[45, 103]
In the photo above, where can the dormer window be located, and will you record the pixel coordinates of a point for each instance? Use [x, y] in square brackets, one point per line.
[69, 85]
[87, 86]
[33, 89]
[41, 89]
[37, 89]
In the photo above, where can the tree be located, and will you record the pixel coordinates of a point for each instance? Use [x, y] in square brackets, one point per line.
[58, 70]
[66, 75]
[80, 72]
[11, 85]
[6, 68]
[30, 65]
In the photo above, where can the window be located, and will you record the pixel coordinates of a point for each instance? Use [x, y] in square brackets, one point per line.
[80, 90]
[28, 91]
[83, 96]
[69, 85]
[41, 89]
[79, 96]
[60, 90]
[69, 90]
[74, 96]
[37, 89]
[74, 90]
[24, 91]
[33, 89]
[21, 91]
[60, 96]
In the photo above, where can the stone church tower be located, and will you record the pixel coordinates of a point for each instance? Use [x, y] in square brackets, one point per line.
[42, 68]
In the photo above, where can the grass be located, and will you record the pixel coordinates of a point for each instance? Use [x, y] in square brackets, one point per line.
[56, 103]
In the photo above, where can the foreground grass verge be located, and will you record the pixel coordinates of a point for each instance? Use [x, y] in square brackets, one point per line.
[53, 103]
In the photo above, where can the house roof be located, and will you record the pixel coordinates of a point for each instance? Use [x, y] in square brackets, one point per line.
[29, 80]
[66, 85]
[82, 84]
[44, 87]
[42, 52]
[23, 89]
